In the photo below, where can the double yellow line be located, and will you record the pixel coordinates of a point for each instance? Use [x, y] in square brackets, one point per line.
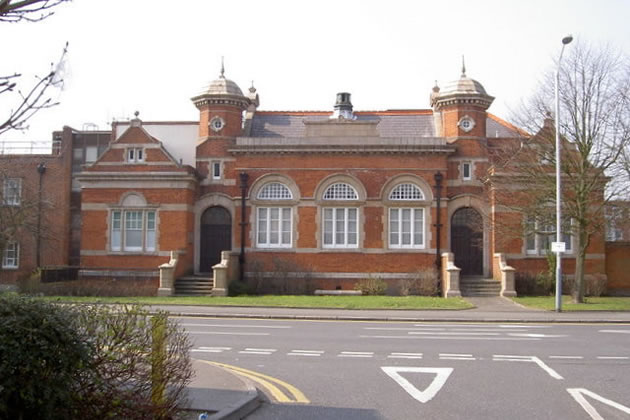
[273, 385]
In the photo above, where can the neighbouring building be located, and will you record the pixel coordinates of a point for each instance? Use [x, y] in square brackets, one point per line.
[305, 199]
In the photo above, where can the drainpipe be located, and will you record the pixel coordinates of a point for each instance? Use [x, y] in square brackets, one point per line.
[438, 226]
[41, 168]
[241, 258]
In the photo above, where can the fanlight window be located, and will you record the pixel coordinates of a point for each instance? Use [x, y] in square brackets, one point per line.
[275, 191]
[341, 191]
[406, 192]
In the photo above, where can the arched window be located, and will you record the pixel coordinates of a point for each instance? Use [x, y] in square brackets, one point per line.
[275, 191]
[406, 192]
[340, 191]
[274, 225]
[133, 226]
[406, 224]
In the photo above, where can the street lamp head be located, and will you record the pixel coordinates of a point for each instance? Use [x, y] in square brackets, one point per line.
[567, 39]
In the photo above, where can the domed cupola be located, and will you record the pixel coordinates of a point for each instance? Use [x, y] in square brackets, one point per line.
[463, 91]
[461, 107]
[221, 104]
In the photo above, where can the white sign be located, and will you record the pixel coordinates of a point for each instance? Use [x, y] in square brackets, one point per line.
[441, 375]
[558, 247]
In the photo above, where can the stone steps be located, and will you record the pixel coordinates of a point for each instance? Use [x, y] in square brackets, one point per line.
[194, 286]
[478, 286]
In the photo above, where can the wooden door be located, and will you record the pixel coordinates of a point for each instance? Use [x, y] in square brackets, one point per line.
[467, 241]
[216, 236]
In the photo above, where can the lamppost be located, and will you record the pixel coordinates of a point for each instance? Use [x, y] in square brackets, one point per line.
[566, 40]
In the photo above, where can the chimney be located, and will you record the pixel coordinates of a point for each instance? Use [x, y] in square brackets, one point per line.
[343, 107]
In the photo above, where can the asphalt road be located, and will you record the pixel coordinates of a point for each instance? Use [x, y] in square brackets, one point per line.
[395, 370]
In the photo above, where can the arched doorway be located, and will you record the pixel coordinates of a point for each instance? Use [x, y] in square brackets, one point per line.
[467, 241]
[216, 236]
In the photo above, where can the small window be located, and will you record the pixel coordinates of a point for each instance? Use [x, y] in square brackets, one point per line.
[135, 154]
[11, 255]
[340, 228]
[12, 191]
[216, 170]
[133, 230]
[275, 191]
[91, 153]
[466, 171]
[341, 191]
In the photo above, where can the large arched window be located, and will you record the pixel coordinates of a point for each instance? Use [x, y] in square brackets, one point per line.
[133, 226]
[406, 222]
[340, 223]
[274, 223]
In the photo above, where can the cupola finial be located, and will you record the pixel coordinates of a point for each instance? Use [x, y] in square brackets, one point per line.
[222, 76]
[463, 66]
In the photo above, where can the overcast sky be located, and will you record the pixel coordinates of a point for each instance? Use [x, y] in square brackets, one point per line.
[153, 55]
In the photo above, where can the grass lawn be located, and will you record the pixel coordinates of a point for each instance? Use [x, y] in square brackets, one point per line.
[591, 303]
[340, 302]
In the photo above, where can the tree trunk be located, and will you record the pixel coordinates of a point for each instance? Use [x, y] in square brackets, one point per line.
[578, 283]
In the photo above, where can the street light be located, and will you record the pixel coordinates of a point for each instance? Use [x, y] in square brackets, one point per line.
[566, 40]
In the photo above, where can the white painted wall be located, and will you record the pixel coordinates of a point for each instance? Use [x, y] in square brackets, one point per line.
[180, 139]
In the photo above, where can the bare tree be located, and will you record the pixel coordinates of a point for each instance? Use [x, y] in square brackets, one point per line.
[594, 115]
[26, 102]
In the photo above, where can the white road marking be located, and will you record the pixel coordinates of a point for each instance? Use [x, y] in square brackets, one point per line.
[566, 357]
[452, 333]
[524, 326]
[307, 353]
[236, 326]
[441, 375]
[257, 351]
[206, 351]
[579, 393]
[615, 331]
[534, 359]
[613, 357]
[405, 356]
[450, 338]
[536, 335]
[356, 354]
[304, 354]
[403, 329]
[226, 333]
[456, 356]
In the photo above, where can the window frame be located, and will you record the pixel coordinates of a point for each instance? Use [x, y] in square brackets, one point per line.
[345, 232]
[15, 199]
[120, 227]
[15, 258]
[468, 165]
[217, 173]
[544, 234]
[285, 216]
[413, 212]
[135, 155]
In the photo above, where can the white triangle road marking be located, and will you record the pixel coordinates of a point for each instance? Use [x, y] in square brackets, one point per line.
[579, 393]
[441, 375]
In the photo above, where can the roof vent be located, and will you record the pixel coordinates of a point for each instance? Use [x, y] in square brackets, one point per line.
[343, 107]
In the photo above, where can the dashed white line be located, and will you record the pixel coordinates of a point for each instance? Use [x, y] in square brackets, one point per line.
[435, 337]
[613, 357]
[567, 357]
[257, 351]
[405, 356]
[453, 333]
[615, 331]
[211, 349]
[456, 356]
[306, 353]
[226, 333]
[356, 354]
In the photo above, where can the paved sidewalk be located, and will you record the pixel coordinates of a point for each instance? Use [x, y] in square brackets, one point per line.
[490, 309]
[224, 395]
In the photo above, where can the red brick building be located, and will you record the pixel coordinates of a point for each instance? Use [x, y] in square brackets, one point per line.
[330, 197]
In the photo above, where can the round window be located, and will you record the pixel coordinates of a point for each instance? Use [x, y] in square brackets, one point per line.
[217, 124]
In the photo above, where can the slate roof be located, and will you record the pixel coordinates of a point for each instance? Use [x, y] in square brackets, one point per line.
[395, 124]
